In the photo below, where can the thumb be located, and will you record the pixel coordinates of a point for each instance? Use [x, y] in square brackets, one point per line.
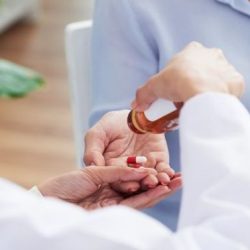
[111, 174]
[146, 94]
[94, 148]
[93, 158]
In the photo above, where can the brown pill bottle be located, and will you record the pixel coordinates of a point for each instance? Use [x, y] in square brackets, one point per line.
[161, 117]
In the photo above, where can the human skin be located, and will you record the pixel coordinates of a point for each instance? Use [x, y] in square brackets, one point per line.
[194, 70]
[111, 141]
[91, 187]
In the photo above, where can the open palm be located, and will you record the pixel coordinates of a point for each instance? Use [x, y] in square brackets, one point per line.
[91, 187]
[107, 196]
[111, 141]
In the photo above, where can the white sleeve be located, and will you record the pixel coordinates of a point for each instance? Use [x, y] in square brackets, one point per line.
[215, 144]
[31, 222]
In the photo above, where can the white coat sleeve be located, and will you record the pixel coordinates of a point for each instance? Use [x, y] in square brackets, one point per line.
[215, 144]
[29, 222]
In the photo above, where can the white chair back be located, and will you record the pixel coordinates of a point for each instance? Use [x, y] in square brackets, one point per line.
[78, 36]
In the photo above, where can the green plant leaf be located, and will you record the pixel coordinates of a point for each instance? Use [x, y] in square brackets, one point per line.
[17, 81]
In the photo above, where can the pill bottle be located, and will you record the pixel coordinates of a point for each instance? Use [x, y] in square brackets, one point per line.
[161, 117]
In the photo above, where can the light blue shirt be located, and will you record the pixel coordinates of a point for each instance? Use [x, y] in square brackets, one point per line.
[134, 39]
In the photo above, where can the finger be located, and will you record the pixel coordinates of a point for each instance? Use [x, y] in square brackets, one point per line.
[159, 161]
[175, 183]
[149, 182]
[163, 178]
[154, 158]
[94, 147]
[126, 187]
[174, 186]
[111, 174]
[165, 168]
[178, 174]
[144, 98]
[142, 200]
[146, 94]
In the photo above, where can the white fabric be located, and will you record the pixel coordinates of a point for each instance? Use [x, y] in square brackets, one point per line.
[215, 141]
[34, 190]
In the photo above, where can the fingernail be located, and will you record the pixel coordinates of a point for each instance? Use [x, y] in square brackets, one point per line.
[132, 190]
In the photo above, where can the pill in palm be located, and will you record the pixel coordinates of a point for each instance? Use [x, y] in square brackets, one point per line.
[136, 160]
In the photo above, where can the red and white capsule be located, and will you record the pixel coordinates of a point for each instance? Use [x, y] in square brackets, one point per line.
[136, 160]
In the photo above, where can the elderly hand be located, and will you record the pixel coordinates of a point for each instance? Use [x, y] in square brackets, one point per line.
[110, 142]
[194, 70]
[91, 187]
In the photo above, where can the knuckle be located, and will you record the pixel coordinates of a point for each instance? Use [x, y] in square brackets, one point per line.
[241, 84]
[239, 79]
[237, 84]
[195, 44]
[161, 167]
[218, 52]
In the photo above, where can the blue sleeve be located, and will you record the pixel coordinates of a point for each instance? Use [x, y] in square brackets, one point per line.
[123, 56]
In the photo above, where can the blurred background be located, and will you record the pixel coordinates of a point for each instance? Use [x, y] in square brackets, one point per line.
[36, 136]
